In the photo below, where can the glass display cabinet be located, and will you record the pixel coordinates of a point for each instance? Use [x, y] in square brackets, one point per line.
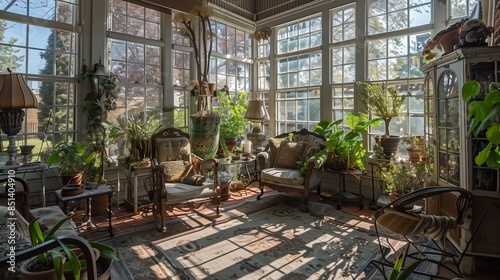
[449, 150]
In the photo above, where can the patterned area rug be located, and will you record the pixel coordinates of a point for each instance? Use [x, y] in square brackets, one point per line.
[276, 242]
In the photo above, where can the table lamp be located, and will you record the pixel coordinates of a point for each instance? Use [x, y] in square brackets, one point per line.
[15, 95]
[257, 114]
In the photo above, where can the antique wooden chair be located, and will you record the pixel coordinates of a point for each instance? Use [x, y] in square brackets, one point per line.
[180, 178]
[429, 237]
[279, 168]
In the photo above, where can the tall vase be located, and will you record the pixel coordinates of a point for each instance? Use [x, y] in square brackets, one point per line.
[205, 135]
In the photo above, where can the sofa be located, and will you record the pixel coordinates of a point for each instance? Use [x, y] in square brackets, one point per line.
[16, 214]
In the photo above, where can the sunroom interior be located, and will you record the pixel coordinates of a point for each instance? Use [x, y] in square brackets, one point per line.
[306, 70]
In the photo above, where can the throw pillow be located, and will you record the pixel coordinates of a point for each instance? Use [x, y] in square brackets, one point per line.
[289, 153]
[196, 180]
[175, 170]
[274, 145]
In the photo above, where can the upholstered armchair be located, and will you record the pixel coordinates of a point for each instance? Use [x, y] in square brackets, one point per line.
[181, 178]
[290, 165]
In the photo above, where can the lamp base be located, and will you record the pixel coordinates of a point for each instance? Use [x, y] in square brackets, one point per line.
[256, 138]
[11, 122]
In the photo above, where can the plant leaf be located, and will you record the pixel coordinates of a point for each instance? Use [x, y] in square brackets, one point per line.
[493, 134]
[470, 89]
[483, 155]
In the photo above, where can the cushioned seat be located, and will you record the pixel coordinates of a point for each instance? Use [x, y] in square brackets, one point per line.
[182, 192]
[283, 176]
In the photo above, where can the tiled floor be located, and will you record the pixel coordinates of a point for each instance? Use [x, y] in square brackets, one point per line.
[124, 220]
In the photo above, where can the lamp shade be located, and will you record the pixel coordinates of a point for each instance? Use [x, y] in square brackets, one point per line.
[257, 111]
[15, 93]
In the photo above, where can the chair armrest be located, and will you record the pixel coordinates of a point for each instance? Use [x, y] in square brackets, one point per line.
[317, 161]
[263, 159]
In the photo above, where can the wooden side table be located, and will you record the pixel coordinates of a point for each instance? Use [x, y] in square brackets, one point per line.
[91, 190]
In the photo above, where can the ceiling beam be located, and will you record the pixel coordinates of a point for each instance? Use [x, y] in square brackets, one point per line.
[166, 6]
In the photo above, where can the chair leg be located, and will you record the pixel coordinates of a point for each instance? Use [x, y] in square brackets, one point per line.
[261, 187]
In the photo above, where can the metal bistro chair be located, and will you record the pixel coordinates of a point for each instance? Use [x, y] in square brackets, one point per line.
[423, 232]
[180, 178]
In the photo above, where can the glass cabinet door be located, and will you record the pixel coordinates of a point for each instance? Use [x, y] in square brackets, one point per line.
[483, 178]
[429, 133]
[448, 128]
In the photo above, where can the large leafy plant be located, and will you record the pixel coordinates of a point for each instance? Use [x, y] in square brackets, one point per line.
[483, 116]
[63, 258]
[70, 156]
[232, 111]
[345, 146]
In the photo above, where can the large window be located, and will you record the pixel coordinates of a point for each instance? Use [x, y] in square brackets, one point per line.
[299, 75]
[392, 15]
[135, 57]
[343, 58]
[394, 57]
[48, 56]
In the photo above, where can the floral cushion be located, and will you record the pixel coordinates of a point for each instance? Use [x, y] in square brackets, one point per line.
[12, 237]
[289, 153]
[50, 216]
[176, 169]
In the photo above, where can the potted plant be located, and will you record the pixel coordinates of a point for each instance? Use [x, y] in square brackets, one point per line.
[98, 102]
[232, 112]
[61, 259]
[71, 159]
[402, 176]
[414, 150]
[138, 133]
[205, 122]
[385, 103]
[483, 113]
[344, 148]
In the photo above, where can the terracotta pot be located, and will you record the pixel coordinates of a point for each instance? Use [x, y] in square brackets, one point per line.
[414, 154]
[28, 275]
[230, 144]
[75, 179]
[393, 196]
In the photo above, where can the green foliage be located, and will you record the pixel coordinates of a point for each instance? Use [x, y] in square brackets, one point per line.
[68, 261]
[397, 274]
[345, 147]
[403, 176]
[8, 54]
[232, 114]
[69, 156]
[382, 101]
[100, 133]
[138, 132]
[483, 117]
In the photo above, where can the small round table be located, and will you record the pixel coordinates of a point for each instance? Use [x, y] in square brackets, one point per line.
[246, 178]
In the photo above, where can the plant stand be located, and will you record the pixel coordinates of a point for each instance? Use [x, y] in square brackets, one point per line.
[344, 196]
